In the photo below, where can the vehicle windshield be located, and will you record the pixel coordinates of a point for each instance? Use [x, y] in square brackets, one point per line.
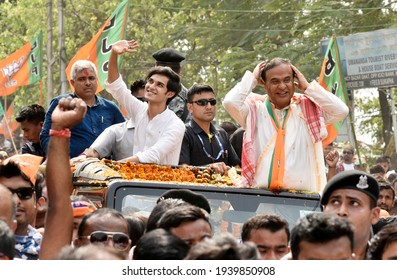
[230, 207]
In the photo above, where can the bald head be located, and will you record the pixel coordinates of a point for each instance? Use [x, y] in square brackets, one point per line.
[7, 207]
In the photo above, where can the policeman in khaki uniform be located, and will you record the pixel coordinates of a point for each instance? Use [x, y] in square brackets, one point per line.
[173, 58]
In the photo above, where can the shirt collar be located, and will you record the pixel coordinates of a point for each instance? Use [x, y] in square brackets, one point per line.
[197, 129]
[98, 101]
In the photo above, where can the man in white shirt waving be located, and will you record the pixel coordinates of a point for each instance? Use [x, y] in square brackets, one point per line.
[158, 131]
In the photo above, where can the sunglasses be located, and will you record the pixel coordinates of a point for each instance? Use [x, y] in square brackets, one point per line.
[204, 102]
[121, 241]
[23, 193]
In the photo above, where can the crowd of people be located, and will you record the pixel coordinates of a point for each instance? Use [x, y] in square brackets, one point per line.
[277, 144]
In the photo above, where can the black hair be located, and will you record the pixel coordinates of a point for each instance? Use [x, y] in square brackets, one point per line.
[274, 62]
[382, 159]
[319, 228]
[387, 187]
[33, 113]
[160, 244]
[99, 212]
[377, 168]
[191, 197]
[223, 247]
[198, 89]
[385, 237]
[174, 82]
[137, 85]
[136, 227]
[11, 169]
[271, 222]
[174, 217]
[159, 209]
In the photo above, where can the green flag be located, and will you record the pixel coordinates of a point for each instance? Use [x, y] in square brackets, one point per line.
[331, 78]
[99, 48]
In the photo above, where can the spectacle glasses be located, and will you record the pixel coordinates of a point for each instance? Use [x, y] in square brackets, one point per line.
[121, 241]
[204, 102]
[347, 152]
[23, 193]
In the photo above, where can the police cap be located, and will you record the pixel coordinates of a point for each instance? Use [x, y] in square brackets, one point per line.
[188, 196]
[352, 179]
[168, 57]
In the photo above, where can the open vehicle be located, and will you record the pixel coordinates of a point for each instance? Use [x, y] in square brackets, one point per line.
[230, 207]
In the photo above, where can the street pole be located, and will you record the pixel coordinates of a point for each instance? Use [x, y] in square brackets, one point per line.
[62, 50]
[393, 114]
[49, 51]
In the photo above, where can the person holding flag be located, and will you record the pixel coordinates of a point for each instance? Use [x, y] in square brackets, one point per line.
[282, 146]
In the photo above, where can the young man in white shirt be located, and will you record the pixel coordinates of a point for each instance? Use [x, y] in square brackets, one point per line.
[158, 131]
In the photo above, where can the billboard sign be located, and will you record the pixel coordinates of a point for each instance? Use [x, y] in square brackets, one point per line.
[368, 59]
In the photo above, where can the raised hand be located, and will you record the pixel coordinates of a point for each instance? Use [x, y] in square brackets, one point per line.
[68, 113]
[123, 46]
[332, 158]
[258, 72]
[301, 83]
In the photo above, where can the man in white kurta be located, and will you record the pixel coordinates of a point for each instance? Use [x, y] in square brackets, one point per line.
[304, 163]
[158, 131]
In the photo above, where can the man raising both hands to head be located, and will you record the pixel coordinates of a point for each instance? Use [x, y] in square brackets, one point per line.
[159, 132]
[282, 146]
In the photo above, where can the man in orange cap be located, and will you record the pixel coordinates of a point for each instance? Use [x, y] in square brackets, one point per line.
[81, 205]
[18, 173]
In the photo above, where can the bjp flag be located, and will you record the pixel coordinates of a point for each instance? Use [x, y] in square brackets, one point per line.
[23, 67]
[331, 78]
[99, 48]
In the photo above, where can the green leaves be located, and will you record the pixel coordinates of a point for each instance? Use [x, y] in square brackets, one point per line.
[221, 39]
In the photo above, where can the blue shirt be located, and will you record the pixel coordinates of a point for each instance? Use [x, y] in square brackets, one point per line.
[101, 115]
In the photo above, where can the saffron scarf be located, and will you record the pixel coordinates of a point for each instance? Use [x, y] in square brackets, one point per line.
[276, 172]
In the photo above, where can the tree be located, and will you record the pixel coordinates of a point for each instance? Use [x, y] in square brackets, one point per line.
[221, 39]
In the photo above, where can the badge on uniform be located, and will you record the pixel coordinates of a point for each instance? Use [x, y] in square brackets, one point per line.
[362, 183]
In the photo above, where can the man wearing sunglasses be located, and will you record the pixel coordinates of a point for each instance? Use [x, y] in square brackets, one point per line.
[158, 132]
[347, 162]
[27, 196]
[205, 143]
[104, 227]
[282, 147]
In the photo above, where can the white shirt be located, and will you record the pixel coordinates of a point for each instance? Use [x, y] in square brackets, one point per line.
[155, 141]
[304, 162]
[348, 166]
[116, 141]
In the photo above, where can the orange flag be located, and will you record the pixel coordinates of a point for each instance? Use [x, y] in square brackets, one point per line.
[23, 67]
[98, 49]
[8, 120]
